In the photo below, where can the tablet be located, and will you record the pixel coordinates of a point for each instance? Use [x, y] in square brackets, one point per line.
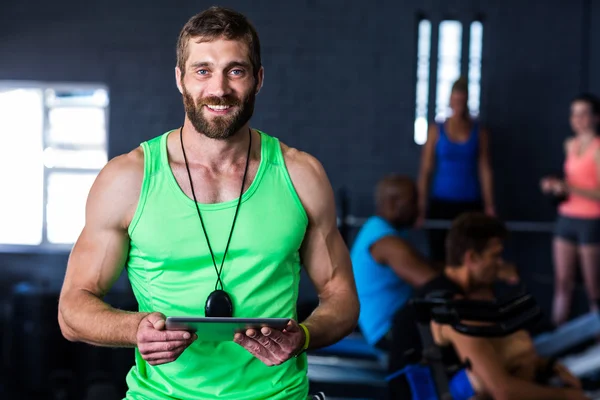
[219, 329]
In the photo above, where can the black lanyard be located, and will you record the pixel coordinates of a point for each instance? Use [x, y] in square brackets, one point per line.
[218, 303]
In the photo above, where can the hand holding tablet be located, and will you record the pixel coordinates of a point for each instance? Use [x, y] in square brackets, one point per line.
[157, 345]
[271, 340]
[274, 347]
[219, 329]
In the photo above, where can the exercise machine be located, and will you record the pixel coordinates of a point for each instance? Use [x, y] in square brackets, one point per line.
[430, 377]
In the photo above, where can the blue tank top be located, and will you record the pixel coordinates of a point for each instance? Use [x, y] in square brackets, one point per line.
[380, 291]
[456, 175]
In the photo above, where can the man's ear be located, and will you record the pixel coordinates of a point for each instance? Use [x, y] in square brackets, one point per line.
[260, 79]
[178, 79]
[471, 257]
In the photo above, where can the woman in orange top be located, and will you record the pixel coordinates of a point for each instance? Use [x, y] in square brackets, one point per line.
[578, 225]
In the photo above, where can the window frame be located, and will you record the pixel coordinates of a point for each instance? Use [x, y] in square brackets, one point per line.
[45, 246]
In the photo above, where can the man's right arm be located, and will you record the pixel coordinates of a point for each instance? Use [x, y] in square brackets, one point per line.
[404, 260]
[498, 383]
[97, 260]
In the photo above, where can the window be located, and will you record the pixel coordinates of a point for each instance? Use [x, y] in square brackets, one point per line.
[475, 48]
[448, 69]
[54, 145]
[422, 97]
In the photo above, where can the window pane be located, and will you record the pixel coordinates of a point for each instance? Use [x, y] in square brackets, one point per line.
[95, 97]
[67, 195]
[77, 125]
[61, 158]
[450, 44]
[21, 168]
[423, 56]
[475, 47]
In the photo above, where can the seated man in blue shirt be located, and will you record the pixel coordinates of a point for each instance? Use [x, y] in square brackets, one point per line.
[386, 267]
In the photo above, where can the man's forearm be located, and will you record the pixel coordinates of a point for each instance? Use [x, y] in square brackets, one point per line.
[332, 320]
[83, 317]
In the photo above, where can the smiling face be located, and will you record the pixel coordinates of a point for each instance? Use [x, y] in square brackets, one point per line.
[218, 86]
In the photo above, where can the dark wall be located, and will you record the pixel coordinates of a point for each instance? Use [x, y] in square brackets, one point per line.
[339, 84]
[534, 60]
[593, 42]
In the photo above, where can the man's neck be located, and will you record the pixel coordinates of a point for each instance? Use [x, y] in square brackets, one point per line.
[215, 154]
[460, 276]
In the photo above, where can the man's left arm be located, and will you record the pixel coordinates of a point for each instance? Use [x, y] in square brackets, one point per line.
[325, 256]
[327, 262]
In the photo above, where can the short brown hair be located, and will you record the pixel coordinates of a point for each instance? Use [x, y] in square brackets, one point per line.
[219, 22]
[471, 231]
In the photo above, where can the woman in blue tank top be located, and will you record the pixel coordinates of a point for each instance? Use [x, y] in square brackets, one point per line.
[455, 175]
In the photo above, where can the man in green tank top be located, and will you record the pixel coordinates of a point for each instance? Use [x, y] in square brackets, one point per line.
[212, 219]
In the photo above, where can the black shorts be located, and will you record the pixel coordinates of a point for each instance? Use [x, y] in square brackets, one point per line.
[578, 230]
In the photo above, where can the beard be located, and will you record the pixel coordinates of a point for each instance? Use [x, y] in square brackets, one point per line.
[219, 127]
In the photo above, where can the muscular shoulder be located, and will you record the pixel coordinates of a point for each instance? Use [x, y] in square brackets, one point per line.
[126, 165]
[302, 166]
[308, 177]
[114, 195]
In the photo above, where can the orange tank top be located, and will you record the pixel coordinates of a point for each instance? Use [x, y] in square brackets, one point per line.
[581, 171]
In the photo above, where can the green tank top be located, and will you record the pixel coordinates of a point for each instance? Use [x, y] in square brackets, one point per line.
[171, 271]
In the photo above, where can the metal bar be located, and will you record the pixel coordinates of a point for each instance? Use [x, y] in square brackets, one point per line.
[515, 226]
[346, 362]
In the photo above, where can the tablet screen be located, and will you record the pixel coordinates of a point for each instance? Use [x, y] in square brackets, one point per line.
[218, 329]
